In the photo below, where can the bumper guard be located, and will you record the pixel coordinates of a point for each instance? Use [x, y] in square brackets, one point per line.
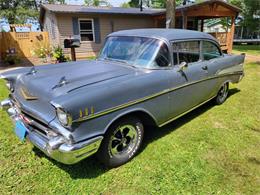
[55, 147]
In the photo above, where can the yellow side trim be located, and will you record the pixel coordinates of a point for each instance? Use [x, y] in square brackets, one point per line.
[27, 96]
[113, 109]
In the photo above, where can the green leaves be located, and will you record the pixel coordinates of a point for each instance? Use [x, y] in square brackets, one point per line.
[250, 13]
[96, 3]
[153, 3]
[19, 11]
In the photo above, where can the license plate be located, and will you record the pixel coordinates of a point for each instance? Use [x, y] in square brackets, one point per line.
[20, 130]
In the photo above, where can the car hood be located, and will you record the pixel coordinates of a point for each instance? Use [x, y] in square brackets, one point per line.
[50, 81]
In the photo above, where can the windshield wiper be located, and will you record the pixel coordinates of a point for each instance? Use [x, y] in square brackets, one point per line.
[118, 60]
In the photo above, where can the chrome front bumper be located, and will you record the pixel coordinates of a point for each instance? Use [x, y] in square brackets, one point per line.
[56, 146]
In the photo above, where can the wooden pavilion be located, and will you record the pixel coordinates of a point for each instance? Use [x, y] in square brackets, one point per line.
[192, 16]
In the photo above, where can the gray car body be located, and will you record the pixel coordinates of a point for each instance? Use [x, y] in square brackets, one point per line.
[99, 92]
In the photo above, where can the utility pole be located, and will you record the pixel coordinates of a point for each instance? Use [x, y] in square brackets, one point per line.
[170, 13]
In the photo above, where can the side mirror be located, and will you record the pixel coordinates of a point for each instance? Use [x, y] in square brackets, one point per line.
[183, 66]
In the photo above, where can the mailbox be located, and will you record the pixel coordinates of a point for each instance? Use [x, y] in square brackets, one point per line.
[71, 43]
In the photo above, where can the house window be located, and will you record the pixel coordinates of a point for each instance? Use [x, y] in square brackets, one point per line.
[86, 30]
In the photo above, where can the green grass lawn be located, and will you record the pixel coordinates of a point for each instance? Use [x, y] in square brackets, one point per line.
[212, 150]
[248, 49]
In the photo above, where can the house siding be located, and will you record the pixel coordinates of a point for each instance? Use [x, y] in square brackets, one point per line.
[108, 24]
[50, 25]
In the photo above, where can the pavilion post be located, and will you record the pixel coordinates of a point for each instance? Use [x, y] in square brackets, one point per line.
[155, 23]
[202, 25]
[232, 32]
[184, 20]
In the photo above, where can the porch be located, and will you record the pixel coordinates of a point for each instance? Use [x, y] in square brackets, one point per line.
[193, 17]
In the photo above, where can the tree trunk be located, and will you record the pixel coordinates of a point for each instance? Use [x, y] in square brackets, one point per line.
[35, 5]
[170, 13]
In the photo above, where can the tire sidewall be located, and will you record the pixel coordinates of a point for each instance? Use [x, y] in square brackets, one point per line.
[219, 99]
[104, 153]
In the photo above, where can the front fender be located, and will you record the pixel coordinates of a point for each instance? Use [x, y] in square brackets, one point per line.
[130, 112]
[12, 75]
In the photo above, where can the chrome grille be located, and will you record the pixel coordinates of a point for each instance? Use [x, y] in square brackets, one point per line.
[31, 122]
[34, 124]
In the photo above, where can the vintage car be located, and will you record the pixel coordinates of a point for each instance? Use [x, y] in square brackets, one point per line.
[141, 77]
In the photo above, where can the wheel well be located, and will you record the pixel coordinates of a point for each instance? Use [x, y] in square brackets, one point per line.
[146, 119]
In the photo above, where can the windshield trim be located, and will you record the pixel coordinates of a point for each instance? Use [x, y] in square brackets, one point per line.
[167, 42]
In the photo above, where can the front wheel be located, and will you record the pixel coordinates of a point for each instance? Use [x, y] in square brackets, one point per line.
[222, 94]
[122, 142]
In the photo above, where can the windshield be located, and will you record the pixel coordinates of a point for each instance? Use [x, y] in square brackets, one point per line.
[136, 51]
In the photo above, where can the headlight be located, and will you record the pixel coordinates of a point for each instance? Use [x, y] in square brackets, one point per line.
[64, 118]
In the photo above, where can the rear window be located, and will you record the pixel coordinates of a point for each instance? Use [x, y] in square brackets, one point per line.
[210, 50]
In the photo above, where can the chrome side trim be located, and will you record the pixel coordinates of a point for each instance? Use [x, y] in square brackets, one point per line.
[172, 119]
[237, 68]
[113, 109]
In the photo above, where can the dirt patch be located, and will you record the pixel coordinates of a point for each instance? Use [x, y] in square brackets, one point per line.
[253, 58]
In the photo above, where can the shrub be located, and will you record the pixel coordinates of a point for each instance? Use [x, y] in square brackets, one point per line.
[42, 50]
[12, 59]
[58, 54]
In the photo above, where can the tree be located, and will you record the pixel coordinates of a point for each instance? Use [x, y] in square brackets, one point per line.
[170, 13]
[162, 3]
[19, 11]
[251, 14]
[125, 5]
[96, 3]
[152, 3]
[136, 3]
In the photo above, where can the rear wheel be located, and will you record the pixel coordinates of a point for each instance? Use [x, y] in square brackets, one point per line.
[121, 142]
[222, 94]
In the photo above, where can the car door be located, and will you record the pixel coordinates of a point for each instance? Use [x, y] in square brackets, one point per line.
[214, 61]
[189, 84]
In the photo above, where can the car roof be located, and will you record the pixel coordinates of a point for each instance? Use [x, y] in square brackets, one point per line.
[166, 34]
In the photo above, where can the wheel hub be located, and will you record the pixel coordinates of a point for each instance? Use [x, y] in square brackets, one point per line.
[124, 139]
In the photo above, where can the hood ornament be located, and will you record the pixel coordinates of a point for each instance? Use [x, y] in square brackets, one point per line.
[63, 81]
[32, 71]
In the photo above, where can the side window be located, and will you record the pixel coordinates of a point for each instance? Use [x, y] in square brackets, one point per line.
[210, 51]
[162, 58]
[188, 51]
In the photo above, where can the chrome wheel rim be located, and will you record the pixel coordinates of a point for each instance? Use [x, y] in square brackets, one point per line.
[223, 92]
[123, 140]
